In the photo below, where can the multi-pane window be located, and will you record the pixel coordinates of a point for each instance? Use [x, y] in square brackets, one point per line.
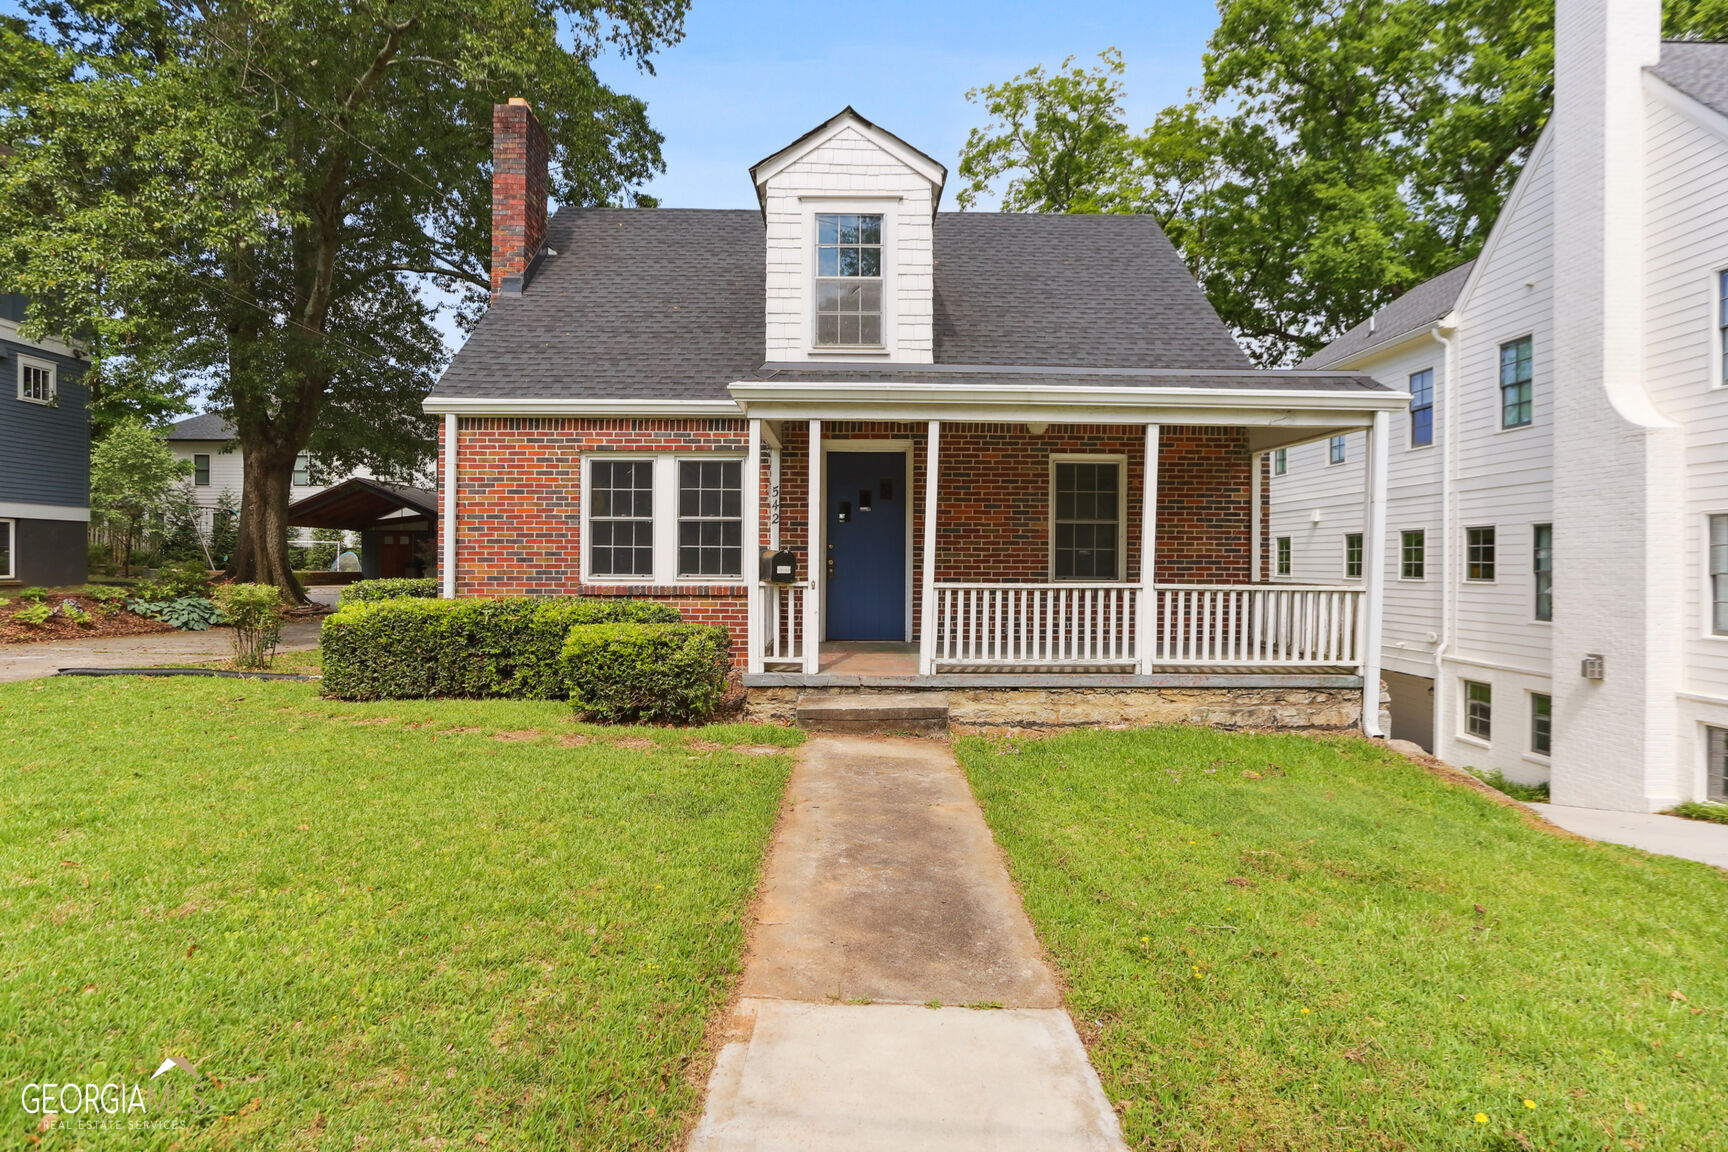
[201, 469]
[1542, 565]
[1541, 722]
[1335, 450]
[1516, 373]
[1280, 461]
[848, 279]
[1413, 555]
[1479, 553]
[1716, 770]
[35, 382]
[621, 518]
[302, 470]
[711, 518]
[1422, 408]
[7, 528]
[1719, 575]
[1353, 555]
[1478, 709]
[1283, 555]
[1722, 327]
[1086, 527]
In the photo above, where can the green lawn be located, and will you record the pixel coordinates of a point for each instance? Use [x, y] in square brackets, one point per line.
[1272, 942]
[413, 925]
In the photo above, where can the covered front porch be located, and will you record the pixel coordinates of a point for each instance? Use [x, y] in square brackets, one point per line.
[1045, 537]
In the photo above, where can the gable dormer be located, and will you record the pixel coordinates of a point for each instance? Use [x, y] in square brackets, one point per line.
[849, 210]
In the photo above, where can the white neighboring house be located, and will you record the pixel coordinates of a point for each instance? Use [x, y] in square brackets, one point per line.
[208, 442]
[1557, 523]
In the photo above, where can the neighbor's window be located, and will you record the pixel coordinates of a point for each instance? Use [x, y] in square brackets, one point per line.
[1719, 575]
[302, 470]
[1541, 722]
[1516, 360]
[1335, 450]
[1722, 326]
[1422, 408]
[201, 469]
[1542, 564]
[36, 381]
[848, 280]
[7, 529]
[1413, 555]
[1283, 555]
[1479, 553]
[1280, 461]
[1353, 555]
[621, 518]
[1716, 771]
[1086, 527]
[1478, 709]
[711, 518]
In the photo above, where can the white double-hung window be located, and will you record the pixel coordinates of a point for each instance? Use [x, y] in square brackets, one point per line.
[662, 519]
[848, 280]
[36, 381]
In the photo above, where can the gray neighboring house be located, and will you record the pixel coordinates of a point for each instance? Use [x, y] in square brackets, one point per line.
[44, 458]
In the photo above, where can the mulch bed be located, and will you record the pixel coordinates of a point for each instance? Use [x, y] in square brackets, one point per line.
[58, 627]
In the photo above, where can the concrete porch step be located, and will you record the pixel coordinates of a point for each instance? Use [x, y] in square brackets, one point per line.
[874, 712]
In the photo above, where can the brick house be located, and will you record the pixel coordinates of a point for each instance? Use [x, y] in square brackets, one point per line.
[1000, 453]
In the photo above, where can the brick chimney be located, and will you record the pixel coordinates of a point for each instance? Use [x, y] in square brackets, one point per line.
[519, 187]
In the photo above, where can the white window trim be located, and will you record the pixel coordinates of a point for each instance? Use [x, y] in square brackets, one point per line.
[1464, 732]
[1121, 462]
[1278, 555]
[888, 208]
[665, 574]
[1706, 595]
[208, 457]
[1344, 457]
[1280, 461]
[1713, 298]
[1433, 412]
[1469, 528]
[53, 371]
[11, 572]
[1422, 579]
[1344, 560]
[1500, 425]
[1530, 752]
[1535, 619]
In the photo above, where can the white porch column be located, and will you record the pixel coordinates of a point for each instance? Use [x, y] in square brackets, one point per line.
[753, 548]
[1146, 617]
[927, 617]
[447, 514]
[1374, 573]
[812, 650]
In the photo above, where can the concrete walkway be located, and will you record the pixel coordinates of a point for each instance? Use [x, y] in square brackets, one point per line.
[885, 896]
[1668, 835]
[28, 661]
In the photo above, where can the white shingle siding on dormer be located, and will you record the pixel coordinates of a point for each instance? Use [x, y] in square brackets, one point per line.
[849, 172]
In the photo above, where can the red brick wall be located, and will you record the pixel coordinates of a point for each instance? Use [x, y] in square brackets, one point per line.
[519, 489]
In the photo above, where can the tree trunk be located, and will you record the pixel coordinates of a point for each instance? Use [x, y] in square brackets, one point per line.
[261, 553]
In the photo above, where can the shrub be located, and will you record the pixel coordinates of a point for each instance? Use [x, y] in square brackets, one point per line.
[34, 595]
[371, 591]
[255, 611]
[415, 648]
[105, 593]
[33, 613]
[1528, 793]
[177, 583]
[659, 673]
[187, 613]
[1701, 810]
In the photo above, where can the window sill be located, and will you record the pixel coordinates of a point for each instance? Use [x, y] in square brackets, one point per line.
[1539, 758]
[1474, 741]
[829, 351]
[647, 586]
[48, 403]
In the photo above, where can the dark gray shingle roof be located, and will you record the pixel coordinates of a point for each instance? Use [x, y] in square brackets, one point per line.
[667, 304]
[1698, 68]
[206, 427]
[1417, 309]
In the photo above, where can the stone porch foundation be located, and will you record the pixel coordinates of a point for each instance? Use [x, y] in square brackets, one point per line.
[985, 709]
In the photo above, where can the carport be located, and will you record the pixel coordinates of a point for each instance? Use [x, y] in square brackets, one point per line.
[398, 524]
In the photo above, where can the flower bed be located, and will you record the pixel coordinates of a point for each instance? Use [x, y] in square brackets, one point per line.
[91, 616]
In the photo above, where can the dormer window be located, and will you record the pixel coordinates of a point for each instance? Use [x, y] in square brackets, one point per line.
[848, 280]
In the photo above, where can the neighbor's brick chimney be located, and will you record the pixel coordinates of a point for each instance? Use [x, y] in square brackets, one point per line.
[519, 187]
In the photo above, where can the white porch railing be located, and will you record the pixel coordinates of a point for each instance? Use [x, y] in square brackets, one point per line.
[1259, 624]
[1038, 624]
[1106, 625]
[782, 608]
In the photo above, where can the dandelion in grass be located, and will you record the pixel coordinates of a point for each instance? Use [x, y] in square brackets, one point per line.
[1304, 1011]
[1529, 1103]
[1481, 1118]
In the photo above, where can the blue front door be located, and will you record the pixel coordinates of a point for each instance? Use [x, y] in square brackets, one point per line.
[866, 532]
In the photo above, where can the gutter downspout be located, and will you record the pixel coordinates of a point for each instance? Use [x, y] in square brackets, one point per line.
[447, 521]
[1447, 338]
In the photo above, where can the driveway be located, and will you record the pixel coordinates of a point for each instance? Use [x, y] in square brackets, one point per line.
[28, 661]
[1668, 835]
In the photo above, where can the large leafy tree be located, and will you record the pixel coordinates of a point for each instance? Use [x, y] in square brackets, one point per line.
[249, 200]
[1338, 153]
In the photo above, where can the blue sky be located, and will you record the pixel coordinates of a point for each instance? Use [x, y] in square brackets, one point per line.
[752, 76]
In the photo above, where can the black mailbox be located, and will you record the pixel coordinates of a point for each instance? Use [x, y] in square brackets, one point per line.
[779, 567]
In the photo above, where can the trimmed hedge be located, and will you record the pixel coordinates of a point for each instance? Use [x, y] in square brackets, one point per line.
[412, 649]
[658, 673]
[371, 591]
